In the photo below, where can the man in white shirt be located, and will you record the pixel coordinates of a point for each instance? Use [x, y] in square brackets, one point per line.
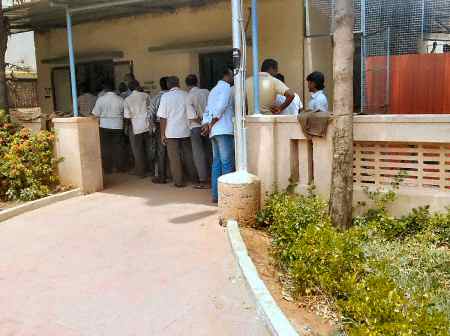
[175, 132]
[316, 85]
[296, 105]
[136, 110]
[86, 101]
[270, 87]
[161, 148]
[201, 146]
[109, 110]
[218, 123]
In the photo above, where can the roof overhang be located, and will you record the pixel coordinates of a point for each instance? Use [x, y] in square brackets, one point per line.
[41, 15]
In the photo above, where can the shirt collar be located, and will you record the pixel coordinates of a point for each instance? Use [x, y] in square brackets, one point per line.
[222, 82]
[174, 89]
[315, 94]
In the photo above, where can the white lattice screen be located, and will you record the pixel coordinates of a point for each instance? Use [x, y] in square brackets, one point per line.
[424, 166]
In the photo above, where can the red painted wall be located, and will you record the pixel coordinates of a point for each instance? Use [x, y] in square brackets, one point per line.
[419, 84]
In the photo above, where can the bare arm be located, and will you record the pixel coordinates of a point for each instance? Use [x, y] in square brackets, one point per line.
[163, 124]
[290, 96]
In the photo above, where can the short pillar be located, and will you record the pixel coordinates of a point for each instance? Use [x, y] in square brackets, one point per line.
[239, 198]
[78, 146]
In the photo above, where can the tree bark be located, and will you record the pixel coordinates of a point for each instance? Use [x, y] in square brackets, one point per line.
[4, 32]
[341, 197]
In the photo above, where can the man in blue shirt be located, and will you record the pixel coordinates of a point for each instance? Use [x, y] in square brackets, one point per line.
[218, 123]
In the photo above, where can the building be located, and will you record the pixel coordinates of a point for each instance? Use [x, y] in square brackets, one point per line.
[152, 39]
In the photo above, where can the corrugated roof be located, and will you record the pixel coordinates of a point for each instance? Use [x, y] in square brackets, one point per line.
[43, 14]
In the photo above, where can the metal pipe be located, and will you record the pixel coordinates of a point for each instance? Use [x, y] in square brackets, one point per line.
[241, 144]
[100, 5]
[255, 47]
[388, 70]
[73, 74]
[363, 52]
[422, 28]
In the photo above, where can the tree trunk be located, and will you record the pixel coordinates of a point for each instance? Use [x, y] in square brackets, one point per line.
[341, 197]
[4, 30]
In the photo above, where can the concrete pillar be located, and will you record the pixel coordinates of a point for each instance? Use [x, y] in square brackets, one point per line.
[78, 145]
[239, 198]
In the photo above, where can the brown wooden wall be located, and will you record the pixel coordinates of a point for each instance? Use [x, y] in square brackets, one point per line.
[419, 84]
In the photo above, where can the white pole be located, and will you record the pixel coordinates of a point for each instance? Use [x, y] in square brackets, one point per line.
[73, 73]
[239, 85]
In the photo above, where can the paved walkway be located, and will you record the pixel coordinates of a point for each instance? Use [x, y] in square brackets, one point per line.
[137, 259]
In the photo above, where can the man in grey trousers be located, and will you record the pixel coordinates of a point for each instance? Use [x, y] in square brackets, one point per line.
[196, 102]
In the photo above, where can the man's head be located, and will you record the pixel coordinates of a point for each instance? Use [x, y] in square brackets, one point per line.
[280, 77]
[316, 81]
[191, 81]
[228, 76]
[107, 86]
[123, 87]
[82, 89]
[134, 85]
[163, 83]
[129, 77]
[270, 66]
[173, 82]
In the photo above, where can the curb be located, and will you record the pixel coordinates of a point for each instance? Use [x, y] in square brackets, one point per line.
[277, 323]
[40, 203]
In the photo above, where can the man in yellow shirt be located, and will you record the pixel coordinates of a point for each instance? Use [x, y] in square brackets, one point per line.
[269, 88]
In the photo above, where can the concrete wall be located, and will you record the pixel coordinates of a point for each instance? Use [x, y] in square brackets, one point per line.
[281, 37]
[279, 154]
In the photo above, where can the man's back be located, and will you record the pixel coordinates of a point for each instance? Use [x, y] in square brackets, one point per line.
[196, 102]
[220, 105]
[173, 108]
[109, 108]
[136, 108]
[269, 88]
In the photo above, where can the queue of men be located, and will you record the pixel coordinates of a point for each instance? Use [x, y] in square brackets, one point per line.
[184, 136]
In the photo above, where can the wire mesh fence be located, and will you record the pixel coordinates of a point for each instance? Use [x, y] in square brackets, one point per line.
[384, 29]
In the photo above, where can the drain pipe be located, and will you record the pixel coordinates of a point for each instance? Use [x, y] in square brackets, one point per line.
[73, 73]
[255, 50]
[240, 192]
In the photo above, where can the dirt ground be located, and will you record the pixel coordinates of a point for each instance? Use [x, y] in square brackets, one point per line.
[302, 318]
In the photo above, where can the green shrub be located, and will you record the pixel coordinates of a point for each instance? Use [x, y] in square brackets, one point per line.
[27, 164]
[386, 275]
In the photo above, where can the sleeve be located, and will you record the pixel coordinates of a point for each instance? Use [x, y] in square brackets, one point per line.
[223, 100]
[280, 87]
[162, 110]
[207, 118]
[190, 108]
[97, 110]
[126, 110]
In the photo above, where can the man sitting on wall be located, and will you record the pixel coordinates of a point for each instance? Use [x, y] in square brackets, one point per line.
[109, 110]
[269, 88]
[295, 107]
[316, 85]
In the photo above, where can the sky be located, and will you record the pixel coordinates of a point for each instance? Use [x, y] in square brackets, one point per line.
[21, 48]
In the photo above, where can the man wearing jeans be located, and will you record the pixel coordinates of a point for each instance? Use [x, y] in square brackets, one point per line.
[218, 122]
[175, 132]
[201, 146]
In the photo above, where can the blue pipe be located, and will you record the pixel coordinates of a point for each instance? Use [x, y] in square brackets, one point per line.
[255, 47]
[73, 74]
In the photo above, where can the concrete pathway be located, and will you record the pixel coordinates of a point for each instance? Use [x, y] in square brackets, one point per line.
[137, 259]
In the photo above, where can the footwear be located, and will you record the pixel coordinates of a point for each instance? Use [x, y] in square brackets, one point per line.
[215, 201]
[159, 180]
[202, 186]
[180, 185]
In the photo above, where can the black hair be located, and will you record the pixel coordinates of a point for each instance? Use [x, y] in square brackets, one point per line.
[269, 64]
[191, 80]
[280, 77]
[123, 87]
[163, 83]
[134, 85]
[107, 85]
[317, 78]
[173, 81]
[83, 88]
[227, 71]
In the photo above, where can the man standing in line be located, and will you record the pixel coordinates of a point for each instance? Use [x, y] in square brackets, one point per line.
[109, 109]
[86, 101]
[136, 109]
[161, 149]
[201, 146]
[218, 123]
[270, 87]
[175, 132]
